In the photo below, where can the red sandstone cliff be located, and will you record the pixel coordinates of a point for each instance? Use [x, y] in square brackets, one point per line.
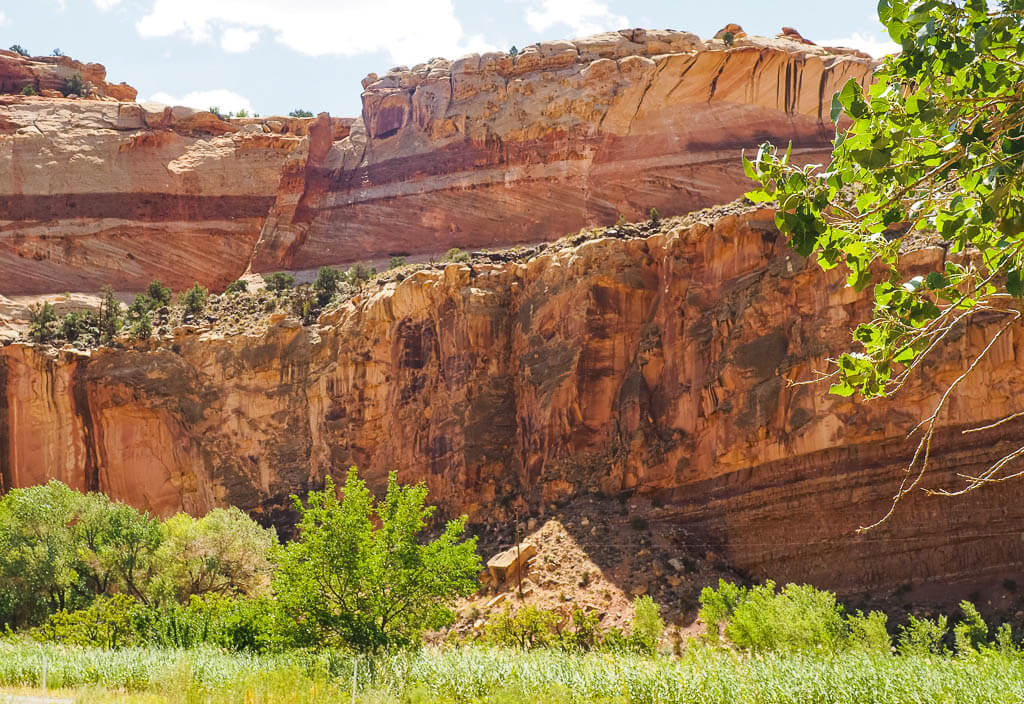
[657, 365]
[481, 151]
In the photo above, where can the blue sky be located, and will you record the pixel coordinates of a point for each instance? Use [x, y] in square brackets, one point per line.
[273, 56]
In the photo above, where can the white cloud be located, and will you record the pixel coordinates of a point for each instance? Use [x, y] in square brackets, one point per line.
[236, 40]
[106, 4]
[410, 30]
[3, 17]
[582, 17]
[221, 98]
[869, 45]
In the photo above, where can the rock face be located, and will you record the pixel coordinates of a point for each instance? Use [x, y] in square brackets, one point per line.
[49, 73]
[485, 150]
[658, 366]
[98, 192]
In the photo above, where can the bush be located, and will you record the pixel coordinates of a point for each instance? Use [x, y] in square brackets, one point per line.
[395, 262]
[728, 38]
[158, 293]
[456, 255]
[304, 305]
[647, 626]
[868, 633]
[528, 628]
[242, 112]
[19, 49]
[77, 324]
[718, 606]
[41, 320]
[110, 318]
[972, 631]
[359, 575]
[279, 281]
[73, 85]
[237, 286]
[655, 217]
[106, 623]
[360, 273]
[300, 113]
[216, 111]
[29, 90]
[922, 636]
[326, 284]
[193, 300]
[585, 633]
[142, 329]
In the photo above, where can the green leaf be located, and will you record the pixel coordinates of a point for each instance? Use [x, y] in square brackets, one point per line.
[1015, 283]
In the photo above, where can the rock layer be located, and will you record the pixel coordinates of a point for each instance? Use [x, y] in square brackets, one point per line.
[486, 150]
[657, 365]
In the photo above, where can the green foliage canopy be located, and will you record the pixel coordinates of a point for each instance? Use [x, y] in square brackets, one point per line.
[936, 144]
[360, 576]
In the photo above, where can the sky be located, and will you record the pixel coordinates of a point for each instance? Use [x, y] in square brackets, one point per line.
[274, 56]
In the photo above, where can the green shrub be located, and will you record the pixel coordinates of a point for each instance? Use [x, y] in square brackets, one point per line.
[971, 632]
[585, 632]
[922, 636]
[647, 626]
[300, 113]
[106, 623]
[528, 628]
[279, 281]
[142, 329]
[237, 286]
[869, 633]
[395, 262]
[29, 90]
[798, 618]
[304, 305]
[19, 49]
[360, 273]
[242, 112]
[158, 293]
[193, 300]
[1004, 640]
[728, 38]
[655, 217]
[73, 85]
[216, 111]
[110, 318]
[326, 284]
[718, 605]
[77, 324]
[41, 321]
[456, 256]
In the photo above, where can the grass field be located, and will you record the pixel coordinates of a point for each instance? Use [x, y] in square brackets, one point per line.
[470, 674]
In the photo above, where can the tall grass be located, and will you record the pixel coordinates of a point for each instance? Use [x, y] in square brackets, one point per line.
[469, 675]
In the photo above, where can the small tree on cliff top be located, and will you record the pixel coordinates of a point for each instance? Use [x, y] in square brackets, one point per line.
[936, 144]
[358, 573]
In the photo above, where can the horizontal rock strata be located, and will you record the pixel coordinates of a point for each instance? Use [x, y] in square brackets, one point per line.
[659, 365]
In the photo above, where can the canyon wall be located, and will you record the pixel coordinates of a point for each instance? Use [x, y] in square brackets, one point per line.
[657, 366]
[485, 150]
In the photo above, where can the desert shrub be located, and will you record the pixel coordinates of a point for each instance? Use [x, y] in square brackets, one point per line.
[647, 625]
[869, 633]
[242, 112]
[193, 300]
[922, 636]
[279, 281]
[77, 324]
[106, 623]
[728, 38]
[360, 273]
[158, 293]
[798, 618]
[971, 632]
[456, 255]
[41, 321]
[29, 90]
[237, 286]
[298, 112]
[110, 318]
[395, 262]
[216, 111]
[1004, 640]
[142, 329]
[718, 605]
[583, 633]
[655, 217]
[304, 305]
[57, 52]
[326, 284]
[19, 49]
[529, 627]
[73, 85]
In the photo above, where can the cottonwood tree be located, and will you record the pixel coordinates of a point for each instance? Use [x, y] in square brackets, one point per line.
[936, 144]
[358, 573]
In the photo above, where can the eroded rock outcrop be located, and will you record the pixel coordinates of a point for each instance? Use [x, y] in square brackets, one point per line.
[48, 75]
[485, 150]
[658, 364]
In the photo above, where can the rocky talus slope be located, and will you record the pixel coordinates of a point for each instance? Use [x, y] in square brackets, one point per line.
[485, 150]
[650, 363]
